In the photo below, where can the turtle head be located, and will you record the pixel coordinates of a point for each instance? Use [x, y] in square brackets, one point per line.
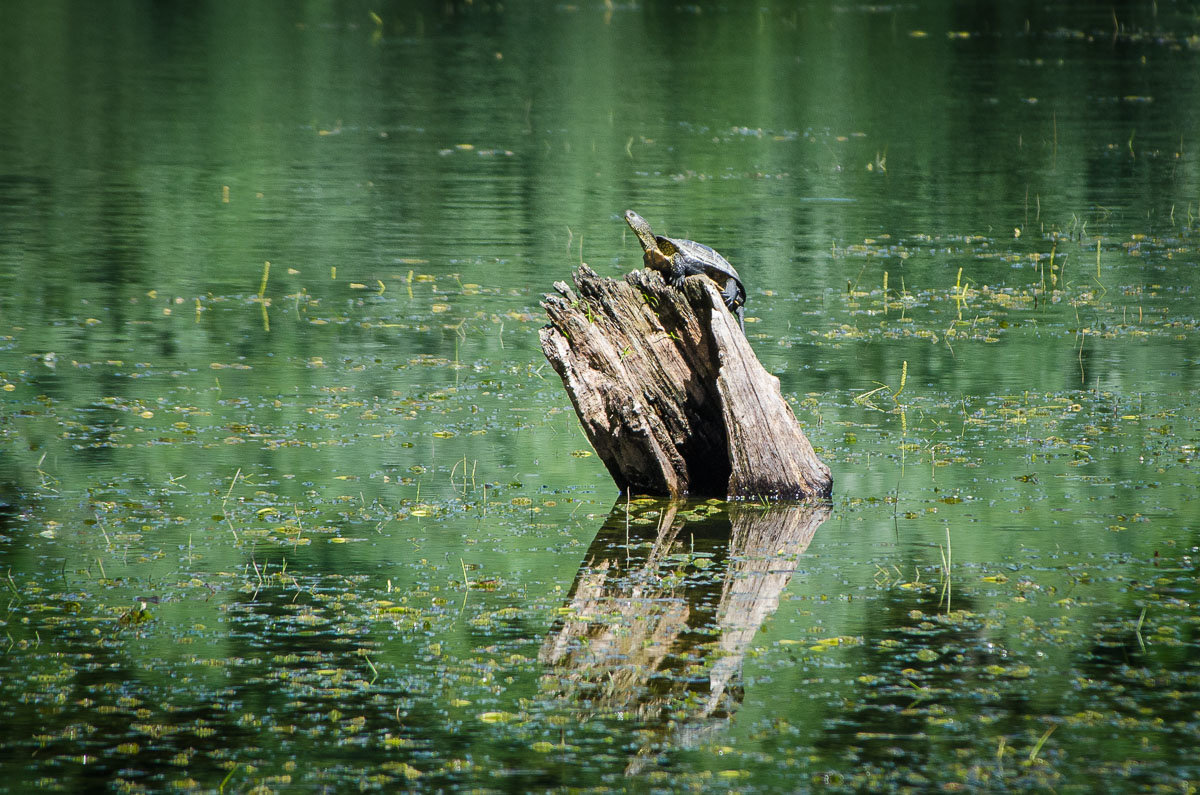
[642, 229]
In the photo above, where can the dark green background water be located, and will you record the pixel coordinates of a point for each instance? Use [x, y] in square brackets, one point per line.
[991, 212]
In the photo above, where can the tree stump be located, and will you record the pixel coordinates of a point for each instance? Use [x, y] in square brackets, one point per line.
[670, 393]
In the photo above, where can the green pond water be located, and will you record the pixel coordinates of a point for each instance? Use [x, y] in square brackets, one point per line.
[331, 524]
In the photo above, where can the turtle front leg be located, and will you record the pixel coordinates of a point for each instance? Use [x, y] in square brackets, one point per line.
[676, 276]
[655, 261]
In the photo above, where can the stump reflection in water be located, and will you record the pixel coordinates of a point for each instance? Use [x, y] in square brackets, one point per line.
[664, 607]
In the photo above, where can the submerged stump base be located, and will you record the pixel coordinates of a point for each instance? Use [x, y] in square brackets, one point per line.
[670, 393]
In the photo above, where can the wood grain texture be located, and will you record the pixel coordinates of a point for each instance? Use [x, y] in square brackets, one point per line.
[670, 393]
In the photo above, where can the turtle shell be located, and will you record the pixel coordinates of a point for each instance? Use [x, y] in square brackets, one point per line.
[698, 258]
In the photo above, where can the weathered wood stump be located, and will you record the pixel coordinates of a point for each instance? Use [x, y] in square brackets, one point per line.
[670, 393]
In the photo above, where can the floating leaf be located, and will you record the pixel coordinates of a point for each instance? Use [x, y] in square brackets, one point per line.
[496, 717]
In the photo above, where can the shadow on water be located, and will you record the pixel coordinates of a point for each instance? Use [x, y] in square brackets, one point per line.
[663, 610]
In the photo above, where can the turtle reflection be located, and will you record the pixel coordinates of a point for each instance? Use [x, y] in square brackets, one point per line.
[664, 608]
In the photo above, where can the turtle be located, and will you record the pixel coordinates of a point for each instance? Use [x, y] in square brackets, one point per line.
[677, 259]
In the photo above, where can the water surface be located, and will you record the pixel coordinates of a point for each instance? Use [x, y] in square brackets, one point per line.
[332, 522]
